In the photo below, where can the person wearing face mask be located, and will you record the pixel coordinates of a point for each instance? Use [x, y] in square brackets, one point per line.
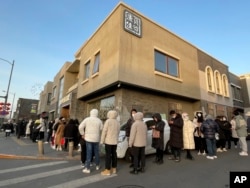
[176, 135]
[128, 128]
[188, 138]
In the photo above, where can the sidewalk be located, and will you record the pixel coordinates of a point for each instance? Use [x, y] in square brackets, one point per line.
[24, 148]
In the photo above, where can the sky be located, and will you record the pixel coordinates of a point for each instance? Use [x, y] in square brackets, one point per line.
[41, 35]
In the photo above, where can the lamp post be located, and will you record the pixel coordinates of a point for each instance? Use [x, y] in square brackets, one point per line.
[7, 92]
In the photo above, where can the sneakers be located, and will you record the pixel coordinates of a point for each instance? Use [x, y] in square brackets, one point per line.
[97, 167]
[113, 170]
[86, 171]
[204, 153]
[199, 153]
[83, 165]
[224, 149]
[215, 157]
[219, 150]
[243, 153]
[106, 172]
[210, 157]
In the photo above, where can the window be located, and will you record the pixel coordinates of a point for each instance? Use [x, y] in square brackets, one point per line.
[209, 79]
[54, 92]
[96, 64]
[49, 98]
[218, 82]
[103, 105]
[86, 70]
[236, 92]
[166, 64]
[225, 85]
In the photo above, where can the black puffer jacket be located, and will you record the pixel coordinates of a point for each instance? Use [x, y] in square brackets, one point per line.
[176, 132]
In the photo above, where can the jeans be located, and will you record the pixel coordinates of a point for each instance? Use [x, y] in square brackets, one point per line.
[211, 147]
[92, 147]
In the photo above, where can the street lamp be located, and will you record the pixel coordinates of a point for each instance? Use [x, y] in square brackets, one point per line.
[7, 92]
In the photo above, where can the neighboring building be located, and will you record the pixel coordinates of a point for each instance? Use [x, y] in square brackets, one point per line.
[245, 83]
[132, 62]
[26, 109]
[45, 100]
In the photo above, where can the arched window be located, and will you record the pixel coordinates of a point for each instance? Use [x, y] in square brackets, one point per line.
[225, 85]
[209, 79]
[217, 82]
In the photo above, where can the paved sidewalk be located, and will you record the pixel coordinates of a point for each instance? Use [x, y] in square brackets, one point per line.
[24, 148]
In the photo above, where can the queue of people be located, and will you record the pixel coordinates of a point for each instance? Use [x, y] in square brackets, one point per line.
[185, 135]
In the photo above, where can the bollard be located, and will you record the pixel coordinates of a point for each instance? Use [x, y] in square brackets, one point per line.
[40, 147]
[71, 147]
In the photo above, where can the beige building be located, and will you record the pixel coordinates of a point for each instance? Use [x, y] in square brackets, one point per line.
[132, 62]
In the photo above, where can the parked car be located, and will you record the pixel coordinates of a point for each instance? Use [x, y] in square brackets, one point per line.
[122, 146]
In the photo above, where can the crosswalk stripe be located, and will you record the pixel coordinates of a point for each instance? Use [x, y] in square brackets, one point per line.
[37, 176]
[83, 181]
[31, 166]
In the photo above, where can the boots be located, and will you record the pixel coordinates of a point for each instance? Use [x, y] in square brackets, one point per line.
[106, 172]
[113, 170]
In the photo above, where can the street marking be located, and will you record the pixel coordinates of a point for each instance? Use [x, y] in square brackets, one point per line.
[37, 176]
[31, 166]
[83, 181]
[19, 141]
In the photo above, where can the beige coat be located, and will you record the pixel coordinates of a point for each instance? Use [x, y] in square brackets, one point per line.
[138, 132]
[188, 134]
[111, 129]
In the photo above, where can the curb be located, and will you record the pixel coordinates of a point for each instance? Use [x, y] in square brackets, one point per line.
[6, 156]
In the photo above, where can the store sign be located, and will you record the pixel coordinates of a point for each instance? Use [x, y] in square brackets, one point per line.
[132, 23]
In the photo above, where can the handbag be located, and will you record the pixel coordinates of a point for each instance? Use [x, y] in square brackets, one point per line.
[155, 133]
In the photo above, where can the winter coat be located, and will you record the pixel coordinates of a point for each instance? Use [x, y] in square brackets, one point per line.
[234, 133]
[176, 132]
[188, 134]
[221, 129]
[91, 127]
[59, 134]
[241, 126]
[209, 127]
[111, 129]
[70, 130]
[158, 143]
[138, 133]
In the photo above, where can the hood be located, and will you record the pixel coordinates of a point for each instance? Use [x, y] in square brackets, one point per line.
[209, 117]
[185, 116]
[112, 114]
[157, 116]
[248, 113]
[94, 113]
[138, 116]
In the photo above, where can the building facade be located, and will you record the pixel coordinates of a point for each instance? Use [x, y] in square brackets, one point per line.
[132, 62]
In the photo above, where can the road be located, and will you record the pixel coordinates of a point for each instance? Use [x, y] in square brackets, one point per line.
[201, 172]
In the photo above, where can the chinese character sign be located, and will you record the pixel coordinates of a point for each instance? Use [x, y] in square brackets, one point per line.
[132, 23]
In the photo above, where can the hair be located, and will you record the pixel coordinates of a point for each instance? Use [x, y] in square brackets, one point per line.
[172, 112]
[236, 112]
